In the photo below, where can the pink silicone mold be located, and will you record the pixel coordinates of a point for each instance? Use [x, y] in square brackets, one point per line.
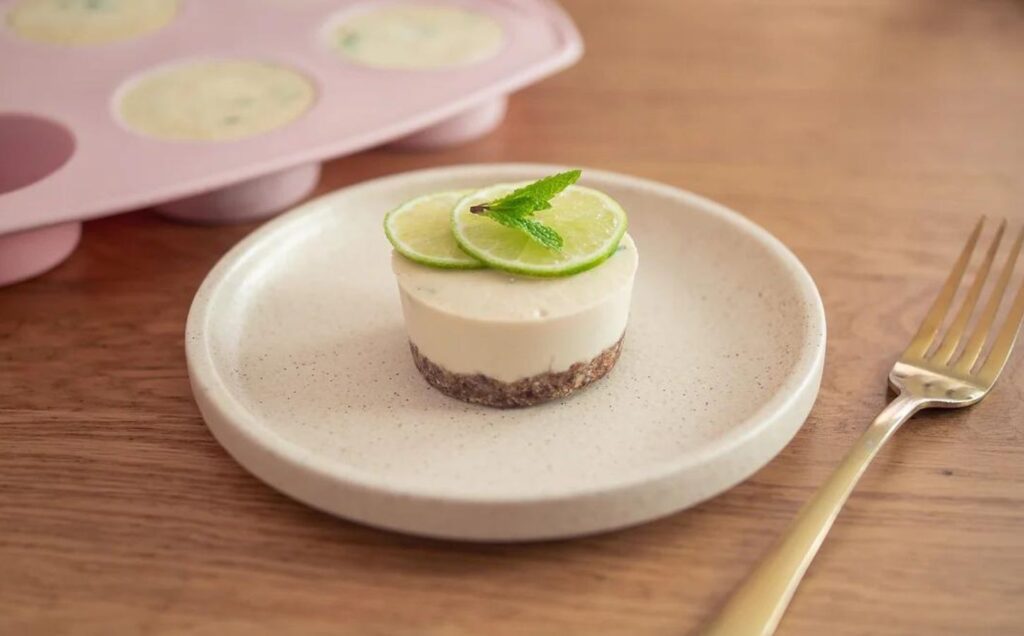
[468, 125]
[246, 201]
[65, 156]
[32, 252]
[31, 148]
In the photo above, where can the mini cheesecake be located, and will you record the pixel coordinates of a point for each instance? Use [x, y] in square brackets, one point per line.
[503, 340]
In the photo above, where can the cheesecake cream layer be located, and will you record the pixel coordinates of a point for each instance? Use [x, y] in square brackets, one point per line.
[513, 327]
[417, 36]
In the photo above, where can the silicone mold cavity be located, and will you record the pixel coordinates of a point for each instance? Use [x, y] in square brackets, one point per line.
[467, 126]
[31, 149]
[246, 201]
[32, 252]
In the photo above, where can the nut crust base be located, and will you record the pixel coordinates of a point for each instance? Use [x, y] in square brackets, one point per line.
[481, 389]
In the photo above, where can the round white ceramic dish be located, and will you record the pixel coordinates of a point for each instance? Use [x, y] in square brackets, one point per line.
[300, 365]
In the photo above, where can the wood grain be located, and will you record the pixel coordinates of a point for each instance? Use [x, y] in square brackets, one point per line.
[867, 135]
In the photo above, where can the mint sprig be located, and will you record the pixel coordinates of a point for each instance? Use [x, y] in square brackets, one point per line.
[516, 209]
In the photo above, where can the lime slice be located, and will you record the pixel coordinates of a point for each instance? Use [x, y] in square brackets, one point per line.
[591, 224]
[421, 230]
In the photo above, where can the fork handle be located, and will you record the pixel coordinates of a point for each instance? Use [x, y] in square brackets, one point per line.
[757, 606]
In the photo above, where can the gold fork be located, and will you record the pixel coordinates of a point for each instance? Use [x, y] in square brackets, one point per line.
[926, 376]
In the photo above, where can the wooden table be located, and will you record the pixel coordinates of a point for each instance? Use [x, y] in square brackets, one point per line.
[867, 135]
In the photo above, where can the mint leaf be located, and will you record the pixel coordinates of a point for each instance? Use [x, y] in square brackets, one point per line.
[515, 208]
[518, 205]
[542, 234]
[540, 192]
[537, 230]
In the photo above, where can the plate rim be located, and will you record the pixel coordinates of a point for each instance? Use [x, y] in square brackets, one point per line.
[231, 423]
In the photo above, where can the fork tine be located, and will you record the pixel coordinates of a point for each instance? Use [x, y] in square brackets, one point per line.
[980, 334]
[1004, 341]
[926, 333]
[956, 330]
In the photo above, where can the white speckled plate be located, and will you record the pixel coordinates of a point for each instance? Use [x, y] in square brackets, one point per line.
[300, 366]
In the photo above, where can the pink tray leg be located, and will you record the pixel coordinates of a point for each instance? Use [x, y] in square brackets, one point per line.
[33, 252]
[247, 201]
[466, 126]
